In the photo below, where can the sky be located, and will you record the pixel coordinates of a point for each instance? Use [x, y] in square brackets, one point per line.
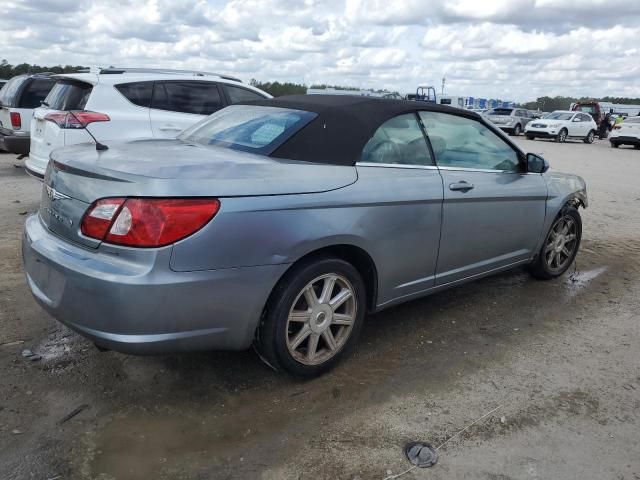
[508, 49]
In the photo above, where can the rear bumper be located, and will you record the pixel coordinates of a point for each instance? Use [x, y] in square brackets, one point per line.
[14, 143]
[134, 303]
[35, 166]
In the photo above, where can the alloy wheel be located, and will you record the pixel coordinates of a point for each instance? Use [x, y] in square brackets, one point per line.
[563, 136]
[321, 319]
[561, 243]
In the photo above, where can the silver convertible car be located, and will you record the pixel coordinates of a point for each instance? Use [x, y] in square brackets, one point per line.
[281, 223]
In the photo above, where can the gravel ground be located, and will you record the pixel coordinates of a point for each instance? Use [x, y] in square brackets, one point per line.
[561, 360]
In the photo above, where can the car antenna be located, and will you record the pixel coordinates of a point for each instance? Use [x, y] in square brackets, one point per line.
[99, 146]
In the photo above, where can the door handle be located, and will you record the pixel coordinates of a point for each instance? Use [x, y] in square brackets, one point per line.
[461, 186]
[172, 128]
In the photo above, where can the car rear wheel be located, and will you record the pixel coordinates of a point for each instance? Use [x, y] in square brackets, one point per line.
[590, 137]
[562, 136]
[314, 317]
[560, 246]
[517, 130]
[614, 145]
[637, 146]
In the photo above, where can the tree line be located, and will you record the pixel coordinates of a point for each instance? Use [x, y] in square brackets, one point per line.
[278, 89]
[8, 71]
[549, 104]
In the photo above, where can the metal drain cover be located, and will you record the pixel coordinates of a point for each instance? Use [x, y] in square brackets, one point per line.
[421, 454]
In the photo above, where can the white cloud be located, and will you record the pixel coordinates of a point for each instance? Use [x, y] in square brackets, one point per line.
[523, 48]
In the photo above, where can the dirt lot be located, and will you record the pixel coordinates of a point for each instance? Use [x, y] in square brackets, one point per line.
[561, 359]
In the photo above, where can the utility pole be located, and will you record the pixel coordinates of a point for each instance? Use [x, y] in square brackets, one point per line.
[443, 82]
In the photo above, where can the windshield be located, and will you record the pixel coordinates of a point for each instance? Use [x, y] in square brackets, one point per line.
[560, 116]
[586, 108]
[501, 111]
[249, 128]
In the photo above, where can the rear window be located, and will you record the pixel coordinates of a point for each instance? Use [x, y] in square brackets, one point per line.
[501, 111]
[36, 91]
[9, 91]
[200, 98]
[138, 93]
[248, 128]
[238, 94]
[69, 95]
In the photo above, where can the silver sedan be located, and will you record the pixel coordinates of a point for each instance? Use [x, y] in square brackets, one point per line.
[282, 223]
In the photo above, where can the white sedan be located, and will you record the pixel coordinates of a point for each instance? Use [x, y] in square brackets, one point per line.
[626, 133]
[563, 124]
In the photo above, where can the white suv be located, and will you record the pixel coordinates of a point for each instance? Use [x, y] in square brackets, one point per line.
[563, 124]
[116, 104]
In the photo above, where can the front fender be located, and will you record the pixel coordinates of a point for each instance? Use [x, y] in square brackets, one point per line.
[563, 189]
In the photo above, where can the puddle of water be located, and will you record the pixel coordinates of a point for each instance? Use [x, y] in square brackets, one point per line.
[579, 280]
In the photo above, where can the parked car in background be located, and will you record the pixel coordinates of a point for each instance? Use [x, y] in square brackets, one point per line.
[281, 223]
[563, 124]
[626, 133]
[511, 120]
[117, 104]
[2, 82]
[18, 98]
[535, 114]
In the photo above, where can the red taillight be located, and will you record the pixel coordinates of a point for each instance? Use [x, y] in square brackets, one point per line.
[16, 121]
[76, 119]
[147, 222]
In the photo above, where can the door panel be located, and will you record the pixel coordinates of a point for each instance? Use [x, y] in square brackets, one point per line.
[402, 213]
[401, 191]
[496, 223]
[492, 212]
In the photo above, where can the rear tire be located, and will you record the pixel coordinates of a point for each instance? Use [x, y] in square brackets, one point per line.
[560, 246]
[517, 129]
[590, 137]
[637, 146]
[562, 136]
[313, 317]
[614, 145]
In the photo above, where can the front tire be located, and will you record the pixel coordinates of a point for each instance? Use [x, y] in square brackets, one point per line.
[590, 137]
[562, 136]
[530, 137]
[560, 246]
[614, 145]
[313, 318]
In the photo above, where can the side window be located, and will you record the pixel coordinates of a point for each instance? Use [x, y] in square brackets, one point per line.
[398, 141]
[35, 93]
[237, 94]
[585, 118]
[200, 98]
[138, 93]
[466, 143]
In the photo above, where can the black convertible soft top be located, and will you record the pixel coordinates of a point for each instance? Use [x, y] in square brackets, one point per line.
[344, 124]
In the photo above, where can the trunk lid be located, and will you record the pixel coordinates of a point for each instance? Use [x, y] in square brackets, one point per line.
[78, 175]
[45, 135]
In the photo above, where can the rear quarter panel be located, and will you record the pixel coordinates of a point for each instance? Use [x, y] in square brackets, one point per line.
[396, 230]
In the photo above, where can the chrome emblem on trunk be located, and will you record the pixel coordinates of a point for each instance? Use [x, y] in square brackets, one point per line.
[54, 195]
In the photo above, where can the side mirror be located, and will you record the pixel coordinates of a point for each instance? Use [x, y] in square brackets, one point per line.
[536, 164]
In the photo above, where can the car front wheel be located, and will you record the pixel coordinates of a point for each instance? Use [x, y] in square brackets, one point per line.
[562, 136]
[560, 246]
[313, 318]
